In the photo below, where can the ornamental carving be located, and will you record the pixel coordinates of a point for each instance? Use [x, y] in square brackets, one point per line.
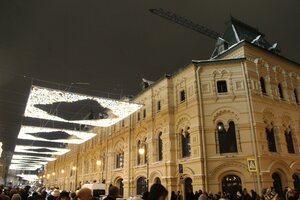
[224, 111]
[228, 165]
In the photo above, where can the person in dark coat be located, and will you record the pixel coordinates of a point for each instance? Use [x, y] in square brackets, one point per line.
[157, 192]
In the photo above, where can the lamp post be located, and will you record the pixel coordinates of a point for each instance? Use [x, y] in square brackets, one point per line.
[142, 151]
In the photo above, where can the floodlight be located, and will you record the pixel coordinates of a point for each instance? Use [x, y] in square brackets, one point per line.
[41, 150]
[41, 101]
[54, 135]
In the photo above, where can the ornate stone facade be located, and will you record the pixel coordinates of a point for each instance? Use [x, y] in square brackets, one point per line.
[189, 115]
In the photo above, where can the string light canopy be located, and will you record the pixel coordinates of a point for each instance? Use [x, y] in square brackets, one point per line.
[28, 177]
[41, 150]
[20, 161]
[31, 158]
[25, 166]
[103, 112]
[54, 135]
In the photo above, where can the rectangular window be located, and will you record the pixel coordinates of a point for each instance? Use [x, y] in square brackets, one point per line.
[138, 116]
[144, 113]
[222, 86]
[182, 95]
[120, 160]
[158, 106]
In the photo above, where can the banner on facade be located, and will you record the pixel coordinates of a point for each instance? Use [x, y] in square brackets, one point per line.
[251, 162]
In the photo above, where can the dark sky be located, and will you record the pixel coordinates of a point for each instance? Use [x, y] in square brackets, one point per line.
[113, 44]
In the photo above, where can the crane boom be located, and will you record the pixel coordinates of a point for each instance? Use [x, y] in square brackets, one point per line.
[185, 22]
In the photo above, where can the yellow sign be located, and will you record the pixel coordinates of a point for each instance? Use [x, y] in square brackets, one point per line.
[251, 162]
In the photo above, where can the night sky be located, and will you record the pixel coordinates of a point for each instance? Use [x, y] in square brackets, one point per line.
[113, 44]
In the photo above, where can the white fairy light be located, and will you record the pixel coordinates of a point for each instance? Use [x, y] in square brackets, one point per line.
[78, 136]
[24, 167]
[31, 149]
[27, 157]
[20, 161]
[40, 95]
[28, 177]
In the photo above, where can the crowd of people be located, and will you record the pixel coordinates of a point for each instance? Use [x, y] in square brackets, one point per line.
[157, 192]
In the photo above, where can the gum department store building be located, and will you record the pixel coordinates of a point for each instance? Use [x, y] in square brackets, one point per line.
[208, 118]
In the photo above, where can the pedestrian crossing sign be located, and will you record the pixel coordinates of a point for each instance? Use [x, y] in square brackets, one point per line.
[251, 162]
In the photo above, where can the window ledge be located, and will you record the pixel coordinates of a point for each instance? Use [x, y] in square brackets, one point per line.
[118, 169]
[229, 154]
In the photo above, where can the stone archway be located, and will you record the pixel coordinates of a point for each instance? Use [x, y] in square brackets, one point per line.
[296, 181]
[141, 185]
[120, 185]
[277, 183]
[231, 184]
[188, 188]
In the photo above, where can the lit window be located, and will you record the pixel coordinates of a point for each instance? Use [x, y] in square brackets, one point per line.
[222, 86]
[120, 160]
[185, 144]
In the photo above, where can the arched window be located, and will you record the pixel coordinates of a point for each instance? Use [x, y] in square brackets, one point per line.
[141, 186]
[231, 184]
[289, 141]
[120, 185]
[139, 156]
[271, 138]
[296, 181]
[185, 143]
[160, 147]
[263, 85]
[142, 156]
[280, 91]
[296, 96]
[277, 184]
[227, 139]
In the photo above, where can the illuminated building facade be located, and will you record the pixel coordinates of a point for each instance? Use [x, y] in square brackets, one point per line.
[212, 117]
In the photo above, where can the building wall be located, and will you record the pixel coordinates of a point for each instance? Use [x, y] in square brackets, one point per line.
[200, 112]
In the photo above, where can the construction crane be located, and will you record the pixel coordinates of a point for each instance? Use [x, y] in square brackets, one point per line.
[185, 22]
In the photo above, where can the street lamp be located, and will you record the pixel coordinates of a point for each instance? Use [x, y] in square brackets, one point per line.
[142, 150]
